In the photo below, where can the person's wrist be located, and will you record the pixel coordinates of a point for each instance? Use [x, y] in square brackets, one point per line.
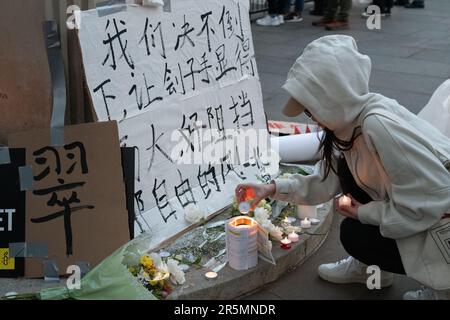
[271, 188]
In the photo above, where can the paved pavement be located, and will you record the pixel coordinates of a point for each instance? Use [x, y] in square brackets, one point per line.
[410, 59]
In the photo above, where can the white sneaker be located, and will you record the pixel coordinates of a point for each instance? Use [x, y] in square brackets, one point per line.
[351, 270]
[269, 21]
[427, 294]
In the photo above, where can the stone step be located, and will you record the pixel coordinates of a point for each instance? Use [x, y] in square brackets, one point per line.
[232, 284]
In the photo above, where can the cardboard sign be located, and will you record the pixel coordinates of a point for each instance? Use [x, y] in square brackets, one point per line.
[12, 214]
[179, 73]
[25, 87]
[76, 205]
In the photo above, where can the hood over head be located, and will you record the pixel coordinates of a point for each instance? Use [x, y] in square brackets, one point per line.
[331, 80]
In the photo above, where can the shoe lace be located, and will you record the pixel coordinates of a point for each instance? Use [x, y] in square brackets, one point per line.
[350, 262]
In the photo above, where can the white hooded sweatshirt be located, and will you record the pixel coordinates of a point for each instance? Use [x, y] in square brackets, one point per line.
[400, 160]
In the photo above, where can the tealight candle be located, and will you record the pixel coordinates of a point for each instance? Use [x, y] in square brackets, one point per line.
[286, 243]
[291, 219]
[211, 275]
[286, 220]
[244, 207]
[345, 201]
[306, 224]
[293, 237]
[314, 221]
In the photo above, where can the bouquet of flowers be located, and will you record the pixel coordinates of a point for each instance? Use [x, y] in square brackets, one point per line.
[158, 275]
[130, 273]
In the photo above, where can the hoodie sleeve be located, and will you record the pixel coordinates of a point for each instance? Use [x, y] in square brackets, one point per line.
[420, 185]
[308, 190]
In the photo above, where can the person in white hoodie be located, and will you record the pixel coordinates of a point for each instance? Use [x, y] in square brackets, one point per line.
[393, 165]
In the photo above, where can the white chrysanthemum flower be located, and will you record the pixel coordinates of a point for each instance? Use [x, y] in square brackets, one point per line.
[261, 214]
[176, 274]
[194, 214]
[286, 175]
[276, 233]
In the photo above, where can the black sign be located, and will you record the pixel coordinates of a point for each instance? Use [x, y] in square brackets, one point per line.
[12, 214]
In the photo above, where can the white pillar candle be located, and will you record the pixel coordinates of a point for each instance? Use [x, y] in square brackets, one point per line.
[293, 237]
[306, 224]
[345, 201]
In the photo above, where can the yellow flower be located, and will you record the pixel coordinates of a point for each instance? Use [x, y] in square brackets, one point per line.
[146, 262]
[159, 278]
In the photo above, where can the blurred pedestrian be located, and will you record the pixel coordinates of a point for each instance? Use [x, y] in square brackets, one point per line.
[384, 5]
[319, 8]
[297, 14]
[336, 15]
[415, 4]
[275, 15]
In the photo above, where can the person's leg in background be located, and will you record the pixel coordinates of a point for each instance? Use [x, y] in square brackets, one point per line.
[330, 13]
[296, 15]
[341, 21]
[416, 4]
[401, 2]
[319, 8]
[384, 5]
[274, 17]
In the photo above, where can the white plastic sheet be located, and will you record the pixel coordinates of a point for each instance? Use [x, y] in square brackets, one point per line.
[437, 111]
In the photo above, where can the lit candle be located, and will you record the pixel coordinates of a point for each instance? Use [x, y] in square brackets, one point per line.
[286, 243]
[306, 224]
[244, 207]
[293, 237]
[286, 220]
[345, 201]
[211, 275]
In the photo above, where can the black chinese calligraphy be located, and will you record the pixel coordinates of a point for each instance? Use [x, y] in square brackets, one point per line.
[185, 35]
[184, 193]
[122, 44]
[208, 180]
[156, 146]
[105, 96]
[162, 200]
[156, 39]
[62, 194]
[149, 99]
[243, 111]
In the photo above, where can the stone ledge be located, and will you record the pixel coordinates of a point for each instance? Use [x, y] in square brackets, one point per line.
[232, 284]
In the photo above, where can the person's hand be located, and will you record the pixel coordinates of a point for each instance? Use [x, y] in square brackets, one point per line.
[348, 211]
[261, 191]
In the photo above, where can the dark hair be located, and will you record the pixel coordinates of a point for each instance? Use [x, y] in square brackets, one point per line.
[328, 142]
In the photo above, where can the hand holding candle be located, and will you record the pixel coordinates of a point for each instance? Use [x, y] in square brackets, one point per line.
[348, 206]
[345, 201]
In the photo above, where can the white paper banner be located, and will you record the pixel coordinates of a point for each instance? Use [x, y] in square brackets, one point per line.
[167, 78]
